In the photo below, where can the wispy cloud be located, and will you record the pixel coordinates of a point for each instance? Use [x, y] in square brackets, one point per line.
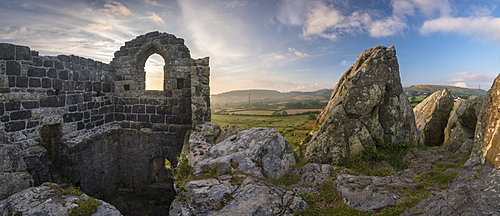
[116, 8]
[297, 53]
[468, 76]
[99, 26]
[156, 19]
[482, 27]
[292, 12]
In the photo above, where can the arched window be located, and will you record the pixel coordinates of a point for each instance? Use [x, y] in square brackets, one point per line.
[154, 69]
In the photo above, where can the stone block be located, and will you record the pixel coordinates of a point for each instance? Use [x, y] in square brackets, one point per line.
[15, 126]
[37, 61]
[151, 109]
[53, 101]
[37, 72]
[64, 58]
[12, 105]
[12, 81]
[58, 65]
[34, 83]
[96, 86]
[80, 126]
[57, 84]
[4, 90]
[22, 82]
[109, 118]
[164, 110]
[23, 53]
[30, 104]
[143, 118]
[7, 51]
[46, 83]
[131, 117]
[52, 73]
[4, 118]
[13, 68]
[119, 117]
[74, 99]
[157, 118]
[48, 63]
[73, 108]
[32, 124]
[63, 75]
[76, 76]
[2, 108]
[17, 115]
[139, 109]
[72, 117]
[68, 85]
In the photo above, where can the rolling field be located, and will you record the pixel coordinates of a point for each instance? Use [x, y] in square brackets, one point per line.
[295, 127]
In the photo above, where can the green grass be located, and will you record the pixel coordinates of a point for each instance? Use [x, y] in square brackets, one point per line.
[328, 202]
[73, 191]
[86, 207]
[388, 152]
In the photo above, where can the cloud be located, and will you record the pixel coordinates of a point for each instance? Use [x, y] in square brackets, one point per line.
[482, 27]
[460, 84]
[291, 12]
[321, 19]
[468, 76]
[156, 19]
[116, 8]
[22, 31]
[297, 53]
[99, 26]
[388, 27]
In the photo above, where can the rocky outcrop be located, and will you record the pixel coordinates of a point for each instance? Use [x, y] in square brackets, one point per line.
[260, 152]
[487, 137]
[431, 116]
[474, 191]
[462, 124]
[242, 163]
[367, 103]
[222, 196]
[49, 199]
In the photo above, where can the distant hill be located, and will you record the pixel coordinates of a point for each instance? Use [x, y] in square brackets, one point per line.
[419, 89]
[268, 95]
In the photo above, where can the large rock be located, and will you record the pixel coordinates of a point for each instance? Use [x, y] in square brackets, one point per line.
[261, 152]
[242, 162]
[368, 103]
[431, 116]
[223, 197]
[48, 199]
[486, 147]
[462, 123]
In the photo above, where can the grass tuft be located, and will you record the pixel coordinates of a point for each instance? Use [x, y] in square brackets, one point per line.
[86, 207]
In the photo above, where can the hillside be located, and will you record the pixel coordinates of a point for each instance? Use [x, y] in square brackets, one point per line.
[268, 96]
[419, 89]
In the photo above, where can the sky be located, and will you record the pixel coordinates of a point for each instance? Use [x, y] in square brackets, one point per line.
[285, 45]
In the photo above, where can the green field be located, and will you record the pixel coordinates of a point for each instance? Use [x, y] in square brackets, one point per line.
[294, 127]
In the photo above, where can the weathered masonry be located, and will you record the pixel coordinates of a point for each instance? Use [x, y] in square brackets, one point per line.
[94, 124]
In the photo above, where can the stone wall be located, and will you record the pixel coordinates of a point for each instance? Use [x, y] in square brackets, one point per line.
[94, 124]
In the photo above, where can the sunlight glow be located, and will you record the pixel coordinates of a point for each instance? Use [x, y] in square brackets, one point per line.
[154, 72]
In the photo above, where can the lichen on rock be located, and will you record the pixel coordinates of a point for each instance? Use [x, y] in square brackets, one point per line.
[368, 103]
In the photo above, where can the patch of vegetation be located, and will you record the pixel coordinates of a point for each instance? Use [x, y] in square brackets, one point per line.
[86, 207]
[73, 191]
[54, 186]
[11, 213]
[436, 177]
[287, 180]
[391, 153]
[415, 196]
[182, 171]
[328, 202]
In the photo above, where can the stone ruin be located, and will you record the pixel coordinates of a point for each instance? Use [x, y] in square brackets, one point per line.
[70, 119]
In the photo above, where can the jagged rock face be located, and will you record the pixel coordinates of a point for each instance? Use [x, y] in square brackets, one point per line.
[462, 123]
[257, 151]
[431, 116]
[252, 197]
[48, 200]
[487, 137]
[368, 102]
[254, 154]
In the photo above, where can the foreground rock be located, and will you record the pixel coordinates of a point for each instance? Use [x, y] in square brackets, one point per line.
[242, 163]
[48, 199]
[459, 132]
[431, 116]
[375, 193]
[368, 102]
[475, 189]
[260, 152]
